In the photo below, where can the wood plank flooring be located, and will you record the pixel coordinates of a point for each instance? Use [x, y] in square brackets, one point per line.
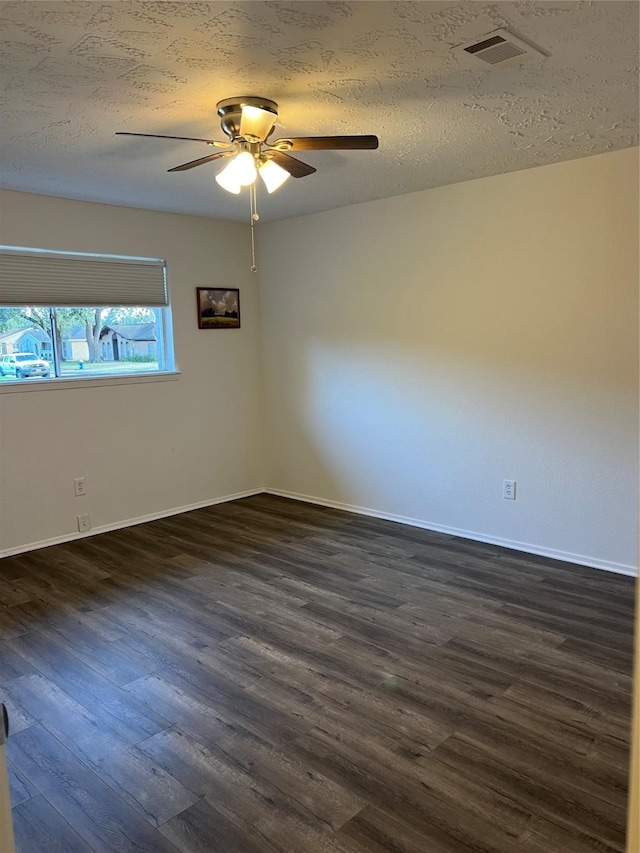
[266, 675]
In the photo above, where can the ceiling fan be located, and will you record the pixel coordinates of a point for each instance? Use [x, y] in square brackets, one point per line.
[248, 121]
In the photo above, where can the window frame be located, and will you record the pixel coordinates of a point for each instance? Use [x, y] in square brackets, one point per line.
[163, 326]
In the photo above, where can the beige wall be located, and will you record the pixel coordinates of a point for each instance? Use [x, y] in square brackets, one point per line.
[143, 448]
[79, 350]
[418, 350]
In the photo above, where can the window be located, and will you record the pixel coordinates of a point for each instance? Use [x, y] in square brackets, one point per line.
[53, 326]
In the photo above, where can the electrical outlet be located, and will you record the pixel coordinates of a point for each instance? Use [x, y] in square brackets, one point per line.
[79, 487]
[84, 523]
[509, 490]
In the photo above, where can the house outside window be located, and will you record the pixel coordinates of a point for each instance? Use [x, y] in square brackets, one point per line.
[130, 340]
[25, 338]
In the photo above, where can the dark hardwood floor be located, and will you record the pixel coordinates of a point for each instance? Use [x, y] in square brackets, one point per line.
[267, 675]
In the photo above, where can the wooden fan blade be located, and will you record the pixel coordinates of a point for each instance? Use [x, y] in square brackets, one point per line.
[330, 143]
[200, 162]
[296, 168]
[158, 136]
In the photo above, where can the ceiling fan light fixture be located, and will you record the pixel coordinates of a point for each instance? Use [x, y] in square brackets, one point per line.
[256, 122]
[244, 165]
[273, 175]
[227, 179]
[240, 172]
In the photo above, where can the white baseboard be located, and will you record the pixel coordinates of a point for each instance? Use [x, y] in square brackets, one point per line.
[565, 556]
[127, 522]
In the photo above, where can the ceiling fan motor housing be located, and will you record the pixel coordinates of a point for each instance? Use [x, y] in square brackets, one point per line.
[230, 111]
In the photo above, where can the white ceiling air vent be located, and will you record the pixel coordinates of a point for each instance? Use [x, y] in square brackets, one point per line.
[497, 48]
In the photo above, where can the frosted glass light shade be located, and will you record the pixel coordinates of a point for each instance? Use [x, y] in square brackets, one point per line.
[240, 172]
[256, 122]
[227, 179]
[273, 175]
[245, 168]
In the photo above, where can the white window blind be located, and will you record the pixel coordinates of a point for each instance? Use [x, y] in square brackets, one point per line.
[42, 277]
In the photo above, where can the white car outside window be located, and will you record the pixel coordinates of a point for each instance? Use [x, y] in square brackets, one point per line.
[22, 365]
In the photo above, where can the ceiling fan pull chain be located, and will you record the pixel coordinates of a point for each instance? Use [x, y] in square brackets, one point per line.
[254, 218]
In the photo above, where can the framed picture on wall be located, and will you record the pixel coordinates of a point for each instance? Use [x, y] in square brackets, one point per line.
[218, 308]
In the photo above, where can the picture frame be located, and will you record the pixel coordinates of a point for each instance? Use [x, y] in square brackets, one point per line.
[218, 307]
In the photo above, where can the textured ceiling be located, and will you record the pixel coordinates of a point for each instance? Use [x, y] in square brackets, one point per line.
[75, 72]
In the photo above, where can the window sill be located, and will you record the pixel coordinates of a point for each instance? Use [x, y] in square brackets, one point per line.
[90, 382]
